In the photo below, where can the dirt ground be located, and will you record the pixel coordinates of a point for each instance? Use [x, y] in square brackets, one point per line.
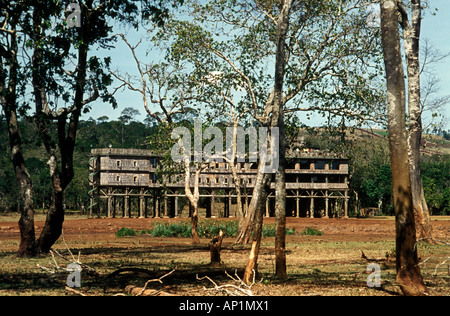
[330, 264]
[102, 230]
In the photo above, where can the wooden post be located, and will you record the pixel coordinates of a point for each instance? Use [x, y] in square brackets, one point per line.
[145, 206]
[346, 205]
[114, 207]
[213, 206]
[127, 204]
[311, 207]
[141, 204]
[225, 207]
[109, 206]
[154, 205]
[230, 204]
[208, 207]
[176, 204]
[91, 201]
[165, 206]
[157, 208]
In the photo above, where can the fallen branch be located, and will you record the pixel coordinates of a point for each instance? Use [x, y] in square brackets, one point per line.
[139, 291]
[387, 259]
[230, 289]
[75, 291]
[143, 291]
[55, 268]
[77, 261]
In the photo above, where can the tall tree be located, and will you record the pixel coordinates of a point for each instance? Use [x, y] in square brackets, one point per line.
[325, 63]
[11, 77]
[409, 276]
[40, 27]
[49, 54]
[411, 35]
[282, 26]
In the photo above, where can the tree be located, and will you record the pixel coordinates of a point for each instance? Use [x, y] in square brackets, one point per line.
[326, 63]
[156, 84]
[10, 86]
[47, 66]
[59, 94]
[128, 115]
[409, 276]
[282, 27]
[411, 34]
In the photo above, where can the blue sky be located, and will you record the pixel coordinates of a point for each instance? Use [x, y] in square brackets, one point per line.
[435, 28]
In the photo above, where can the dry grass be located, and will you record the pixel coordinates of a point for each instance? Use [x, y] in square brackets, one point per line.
[317, 265]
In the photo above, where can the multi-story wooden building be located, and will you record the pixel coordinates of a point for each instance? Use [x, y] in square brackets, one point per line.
[126, 182]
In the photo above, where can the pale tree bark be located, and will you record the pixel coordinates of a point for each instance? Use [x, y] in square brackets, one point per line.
[193, 198]
[236, 176]
[411, 35]
[409, 276]
[256, 207]
[280, 183]
[278, 120]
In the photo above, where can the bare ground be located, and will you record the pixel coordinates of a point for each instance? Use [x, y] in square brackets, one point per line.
[330, 264]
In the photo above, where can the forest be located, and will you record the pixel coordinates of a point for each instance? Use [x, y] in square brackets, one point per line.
[369, 165]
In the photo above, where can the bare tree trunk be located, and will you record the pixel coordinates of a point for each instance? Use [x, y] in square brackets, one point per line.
[249, 223]
[193, 198]
[411, 34]
[257, 205]
[53, 225]
[214, 247]
[246, 224]
[8, 95]
[27, 247]
[409, 276]
[237, 179]
[61, 175]
[194, 224]
[278, 119]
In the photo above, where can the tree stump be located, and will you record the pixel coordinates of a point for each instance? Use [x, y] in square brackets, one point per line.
[215, 247]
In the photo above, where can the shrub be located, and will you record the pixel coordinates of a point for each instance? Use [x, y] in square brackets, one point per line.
[312, 232]
[124, 232]
[171, 230]
[211, 228]
[206, 228]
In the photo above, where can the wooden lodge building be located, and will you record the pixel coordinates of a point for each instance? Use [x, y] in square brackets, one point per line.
[125, 183]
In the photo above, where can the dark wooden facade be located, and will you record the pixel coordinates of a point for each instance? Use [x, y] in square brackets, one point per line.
[125, 182]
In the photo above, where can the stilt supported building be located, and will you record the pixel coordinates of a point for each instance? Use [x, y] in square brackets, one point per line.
[127, 183]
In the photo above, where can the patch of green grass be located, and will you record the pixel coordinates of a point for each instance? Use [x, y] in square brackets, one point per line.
[206, 228]
[270, 231]
[311, 232]
[171, 230]
[124, 232]
[211, 228]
